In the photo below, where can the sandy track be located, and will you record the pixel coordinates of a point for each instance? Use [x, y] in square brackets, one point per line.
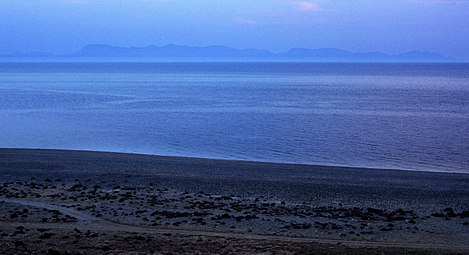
[82, 218]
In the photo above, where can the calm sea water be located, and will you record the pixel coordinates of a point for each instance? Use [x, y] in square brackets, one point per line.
[405, 116]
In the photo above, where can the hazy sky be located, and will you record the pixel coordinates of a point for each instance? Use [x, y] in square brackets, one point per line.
[390, 26]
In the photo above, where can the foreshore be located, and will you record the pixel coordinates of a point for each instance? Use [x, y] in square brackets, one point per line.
[83, 202]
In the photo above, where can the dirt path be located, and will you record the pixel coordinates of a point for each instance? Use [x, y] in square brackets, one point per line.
[88, 222]
[82, 218]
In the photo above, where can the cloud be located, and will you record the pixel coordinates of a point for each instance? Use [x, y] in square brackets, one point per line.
[308, 6]
[441, 1]
[283, 12]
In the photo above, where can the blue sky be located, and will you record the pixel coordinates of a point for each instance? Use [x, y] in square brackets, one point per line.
[391, 26]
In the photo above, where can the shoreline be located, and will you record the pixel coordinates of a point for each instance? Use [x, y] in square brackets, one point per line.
[84, 202]
[331, 166]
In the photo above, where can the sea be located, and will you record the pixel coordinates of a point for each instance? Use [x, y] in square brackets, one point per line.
[385, 116]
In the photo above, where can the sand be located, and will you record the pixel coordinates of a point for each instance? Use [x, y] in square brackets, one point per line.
[78, 202]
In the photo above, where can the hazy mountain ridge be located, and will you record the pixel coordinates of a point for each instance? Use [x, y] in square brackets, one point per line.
[171, 52]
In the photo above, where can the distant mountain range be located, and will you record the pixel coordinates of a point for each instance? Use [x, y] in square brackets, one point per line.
[171, 52]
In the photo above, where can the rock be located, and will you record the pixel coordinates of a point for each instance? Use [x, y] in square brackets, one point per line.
[464, 214]
[439, 215]
[53, 252]
[412, 221]
[19, 244]
[46, 236]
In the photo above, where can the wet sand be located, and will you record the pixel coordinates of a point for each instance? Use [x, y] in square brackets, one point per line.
[76, 202]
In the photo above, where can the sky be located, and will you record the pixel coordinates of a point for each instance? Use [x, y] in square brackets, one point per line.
[389, 26]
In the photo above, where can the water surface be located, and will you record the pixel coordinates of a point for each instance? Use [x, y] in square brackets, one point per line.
[404, 116]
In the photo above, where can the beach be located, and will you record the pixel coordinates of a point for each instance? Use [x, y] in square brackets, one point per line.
[82, 202]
